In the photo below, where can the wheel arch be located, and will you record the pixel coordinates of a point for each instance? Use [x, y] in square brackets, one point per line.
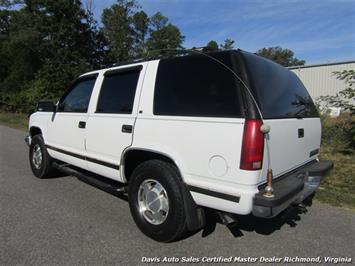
[195, 215]
[134, 156]
[34, 130]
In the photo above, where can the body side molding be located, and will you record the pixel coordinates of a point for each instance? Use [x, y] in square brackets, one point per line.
[213, 193]
[82, 157]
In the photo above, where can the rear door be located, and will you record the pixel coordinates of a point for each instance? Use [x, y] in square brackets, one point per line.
[287, 107]
[111, 120]
[293, 142]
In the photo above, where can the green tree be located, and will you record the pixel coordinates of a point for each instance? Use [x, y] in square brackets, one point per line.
[117, 28]
[9, 3]
[164, 37]
[19, 48]
[158, 21]
[45, 45]
[69, 45]
[281, 56]
[141, 26]
[228, 44]
[345, 99]
[211, 46]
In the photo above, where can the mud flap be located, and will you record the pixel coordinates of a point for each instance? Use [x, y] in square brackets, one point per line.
[195, 216]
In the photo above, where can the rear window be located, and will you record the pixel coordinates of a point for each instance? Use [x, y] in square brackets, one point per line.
[196, 86]
[279, 92]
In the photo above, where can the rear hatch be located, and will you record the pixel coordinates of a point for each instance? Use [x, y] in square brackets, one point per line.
[286, 106]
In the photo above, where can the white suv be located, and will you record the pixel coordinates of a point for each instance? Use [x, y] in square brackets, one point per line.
[183, 133]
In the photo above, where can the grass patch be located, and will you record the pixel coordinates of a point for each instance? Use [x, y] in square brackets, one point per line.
[338, 188]
[17, 121]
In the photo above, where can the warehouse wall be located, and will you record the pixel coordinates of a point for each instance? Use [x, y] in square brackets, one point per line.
[319, 79]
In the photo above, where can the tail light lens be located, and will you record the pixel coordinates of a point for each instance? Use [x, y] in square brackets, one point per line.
[252, 146]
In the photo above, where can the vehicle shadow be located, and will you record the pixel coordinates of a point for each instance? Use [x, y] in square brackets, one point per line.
[242, 223]
[107, 185]
[56, 174]
[117, 194]
[261, 226]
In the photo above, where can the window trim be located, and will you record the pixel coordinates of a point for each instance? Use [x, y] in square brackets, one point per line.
[114, 72]
[72, 86]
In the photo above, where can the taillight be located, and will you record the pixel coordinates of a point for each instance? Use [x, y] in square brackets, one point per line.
[252, 146]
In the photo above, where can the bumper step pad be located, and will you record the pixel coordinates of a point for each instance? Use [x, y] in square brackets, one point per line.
[291, 188]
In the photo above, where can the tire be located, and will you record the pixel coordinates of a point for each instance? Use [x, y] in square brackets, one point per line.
[171, 222]
[41, 168]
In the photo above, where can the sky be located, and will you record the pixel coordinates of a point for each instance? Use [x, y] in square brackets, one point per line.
[318, 31]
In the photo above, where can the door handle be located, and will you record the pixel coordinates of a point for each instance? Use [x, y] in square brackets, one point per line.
[82, 124]
[300, 132]
[127, 128]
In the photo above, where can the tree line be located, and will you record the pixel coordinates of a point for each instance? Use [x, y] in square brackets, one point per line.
[45, 44]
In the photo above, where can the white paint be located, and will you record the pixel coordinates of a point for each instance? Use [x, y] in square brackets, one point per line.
[288, 151]
[206, 150]
[105, 140]
[218, 166]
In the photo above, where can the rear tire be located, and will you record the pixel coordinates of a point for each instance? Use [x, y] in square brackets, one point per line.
[156, 201]
[40, 160]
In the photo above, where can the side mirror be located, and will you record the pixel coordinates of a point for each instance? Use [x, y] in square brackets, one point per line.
[45, 107]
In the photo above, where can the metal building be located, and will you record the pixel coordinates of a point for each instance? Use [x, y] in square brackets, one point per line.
[320, 80]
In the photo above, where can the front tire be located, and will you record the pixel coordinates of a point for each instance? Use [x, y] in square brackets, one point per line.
[156, 200]
[40, 160]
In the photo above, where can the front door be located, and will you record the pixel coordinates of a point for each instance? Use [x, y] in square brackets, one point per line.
[66, 128]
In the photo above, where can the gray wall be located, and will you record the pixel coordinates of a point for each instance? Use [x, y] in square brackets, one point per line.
[319, 79]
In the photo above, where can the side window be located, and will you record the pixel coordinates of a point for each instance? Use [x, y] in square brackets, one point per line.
[77, 99]
[196, 86]
[117, 92]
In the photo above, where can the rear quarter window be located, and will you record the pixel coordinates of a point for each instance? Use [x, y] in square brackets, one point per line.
[279, 92]
[196, 86]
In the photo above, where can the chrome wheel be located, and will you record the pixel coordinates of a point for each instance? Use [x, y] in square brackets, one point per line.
[37, 156]
[153, 201]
